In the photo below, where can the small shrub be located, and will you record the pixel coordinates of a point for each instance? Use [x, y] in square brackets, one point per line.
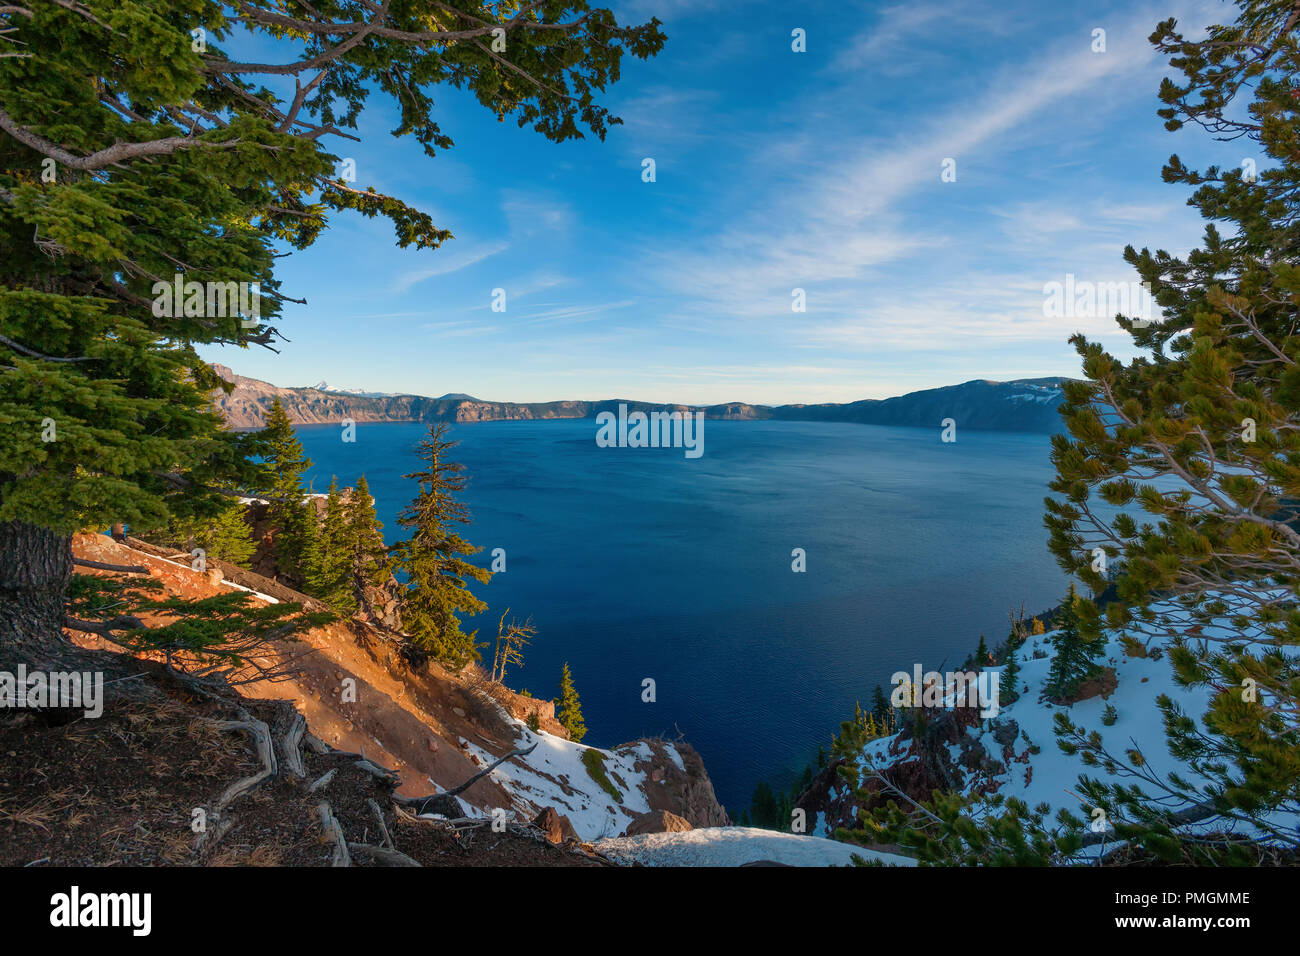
[594, 761]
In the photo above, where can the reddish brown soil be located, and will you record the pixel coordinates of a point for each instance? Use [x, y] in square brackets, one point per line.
[120, 790]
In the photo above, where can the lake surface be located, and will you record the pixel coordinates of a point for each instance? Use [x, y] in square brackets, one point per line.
[640, 562]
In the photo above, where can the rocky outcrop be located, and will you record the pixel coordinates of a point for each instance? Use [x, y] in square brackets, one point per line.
[522, 707]
[657, 821]
[937, 754]
[557, 827]
[684, 790]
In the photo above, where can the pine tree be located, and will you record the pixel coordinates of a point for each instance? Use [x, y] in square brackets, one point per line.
[371, 565]
[982, 653]
[1009, 682]
[1074, 658]
[569, 712]
[1185, 461]
[436, 587]
[227, 535]
[881, 709]
[764, 807]
[329, 559]
[133, 160]
[291, 515]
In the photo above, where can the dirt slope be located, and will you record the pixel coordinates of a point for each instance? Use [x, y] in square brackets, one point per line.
[434, 728]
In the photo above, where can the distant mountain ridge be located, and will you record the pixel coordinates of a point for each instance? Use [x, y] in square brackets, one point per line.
[1027, 405]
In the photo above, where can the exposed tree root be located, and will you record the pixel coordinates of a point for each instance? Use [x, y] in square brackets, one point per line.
[383, 827]
[323, 780]
[218, 823]
[380, 854]
[291, 745]
[383, 773]
[335, 832]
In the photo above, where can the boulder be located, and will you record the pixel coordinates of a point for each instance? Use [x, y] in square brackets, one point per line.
[657, 821]
[557, 828]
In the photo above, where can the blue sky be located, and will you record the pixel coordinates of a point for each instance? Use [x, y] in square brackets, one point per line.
[775, 170]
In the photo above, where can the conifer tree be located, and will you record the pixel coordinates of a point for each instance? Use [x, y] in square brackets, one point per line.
[227, 535]
[291, 515]
[370, 565]
[330, 556]
[1009, 681]
[1183, 465]
[1192, 451]
[569, 712]
[433, 559]
[982, 653]
[1074, 659]
[881, 708]
[133, 158]
[763, 807]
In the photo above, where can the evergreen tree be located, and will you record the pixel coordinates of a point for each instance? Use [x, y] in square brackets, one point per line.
[982, 653]
[881, 709]
[1192, 451]
[329, 559]
[291, 515]
[371, 565]
[1184, 464]
[569, 712]
[227, 535]
[1074, 659]
[762, 805]
[1009, 682]
[133, 159]
[436, 587]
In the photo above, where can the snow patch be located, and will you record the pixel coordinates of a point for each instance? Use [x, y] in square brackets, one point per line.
[736, 846]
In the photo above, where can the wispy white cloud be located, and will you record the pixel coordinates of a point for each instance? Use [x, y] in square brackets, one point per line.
[839, 219]
[577, 314]
[447, 262]
[879, 45]
[532, 216]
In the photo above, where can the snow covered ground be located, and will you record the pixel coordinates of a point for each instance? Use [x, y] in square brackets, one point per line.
[735, 846]
[1050, 776]
[554, 775]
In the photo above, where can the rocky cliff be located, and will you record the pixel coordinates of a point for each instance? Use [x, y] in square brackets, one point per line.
[1023, 405]
[247, 405]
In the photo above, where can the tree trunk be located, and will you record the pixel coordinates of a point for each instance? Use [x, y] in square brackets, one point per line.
[35, 568]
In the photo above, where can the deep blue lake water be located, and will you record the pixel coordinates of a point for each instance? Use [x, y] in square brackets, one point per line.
[639, 562]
